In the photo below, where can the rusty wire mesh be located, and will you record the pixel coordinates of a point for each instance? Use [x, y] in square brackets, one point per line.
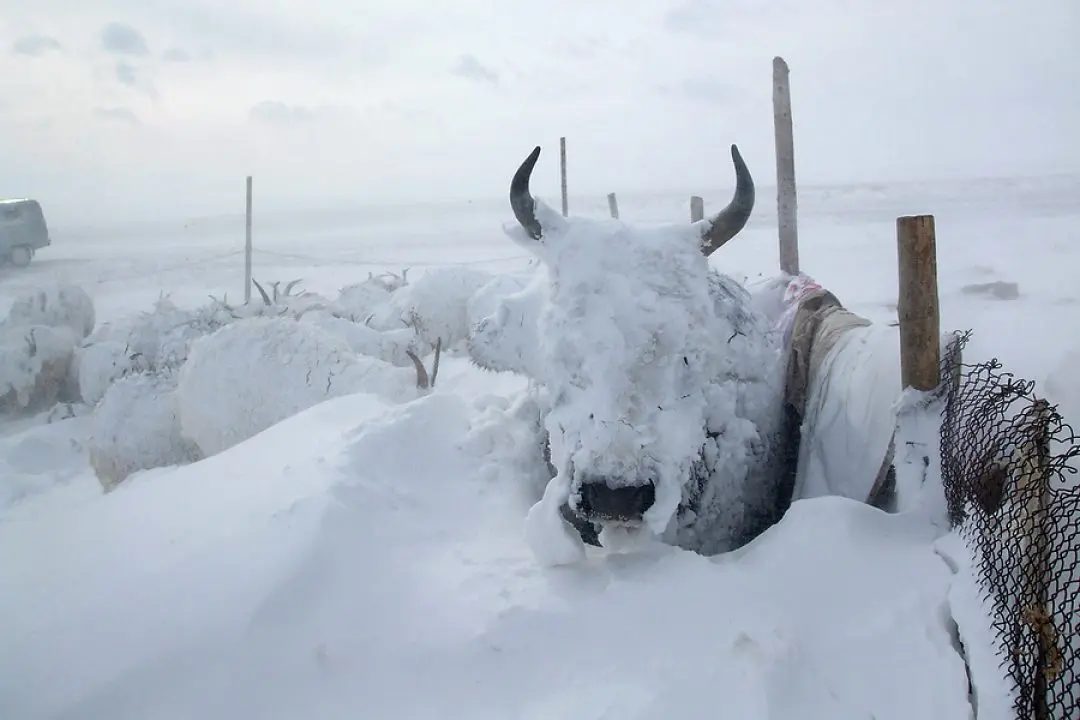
[1009, 464]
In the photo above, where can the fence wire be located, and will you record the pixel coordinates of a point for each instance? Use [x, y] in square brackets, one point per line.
[1009, 463]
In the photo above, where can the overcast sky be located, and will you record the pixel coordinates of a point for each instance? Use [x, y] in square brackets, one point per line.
[140, 107]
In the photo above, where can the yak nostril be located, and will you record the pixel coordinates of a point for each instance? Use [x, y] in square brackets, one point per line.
[627, 502]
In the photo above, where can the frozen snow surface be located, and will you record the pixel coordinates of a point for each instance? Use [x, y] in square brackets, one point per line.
[326, 568]
[371, 550]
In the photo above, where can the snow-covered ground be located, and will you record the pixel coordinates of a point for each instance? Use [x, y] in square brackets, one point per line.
[366, 558]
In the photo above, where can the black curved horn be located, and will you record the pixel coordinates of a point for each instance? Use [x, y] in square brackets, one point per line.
[521, 200]
[728, 222]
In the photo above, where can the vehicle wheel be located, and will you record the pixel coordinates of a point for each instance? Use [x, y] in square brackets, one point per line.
[20, 256]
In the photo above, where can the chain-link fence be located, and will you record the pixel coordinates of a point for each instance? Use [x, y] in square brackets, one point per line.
[1009, 464]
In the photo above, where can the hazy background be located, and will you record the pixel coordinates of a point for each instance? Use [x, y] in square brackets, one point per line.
[153, 109]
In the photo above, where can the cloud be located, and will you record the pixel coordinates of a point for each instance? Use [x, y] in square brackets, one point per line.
[176, 55]
[122, 39]
[275, 112]
[279, 34]
[135, 77]
[125, 73]
[712, 18]
[689, 16]
[117, 114]
[707, 90]
[282, 114]
[35, 45]
[469, 67]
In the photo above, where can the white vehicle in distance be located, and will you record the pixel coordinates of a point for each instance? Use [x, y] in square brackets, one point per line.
[22, 231]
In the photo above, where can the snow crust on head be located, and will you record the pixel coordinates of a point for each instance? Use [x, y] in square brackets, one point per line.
[639, 358]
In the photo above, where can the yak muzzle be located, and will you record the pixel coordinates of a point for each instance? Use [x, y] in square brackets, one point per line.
[628, 503]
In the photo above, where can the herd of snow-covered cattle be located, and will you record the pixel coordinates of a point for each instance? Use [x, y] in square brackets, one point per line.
[668, 395]
[170, 385]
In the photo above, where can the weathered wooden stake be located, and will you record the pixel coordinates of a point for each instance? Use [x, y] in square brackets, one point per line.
[562, 163]
[247, 246]
[786, 205]
[1036, 526]
[613, 205]
[697, 208]
[917, 307]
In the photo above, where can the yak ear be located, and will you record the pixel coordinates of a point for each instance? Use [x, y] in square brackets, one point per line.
[491, 347]
[508, 340]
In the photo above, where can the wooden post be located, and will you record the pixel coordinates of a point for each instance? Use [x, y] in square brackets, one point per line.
[785, 169]
[697, 208]
[247, 245]
[562, 163]
[1035, 528]
[613, 205]
[917, 307]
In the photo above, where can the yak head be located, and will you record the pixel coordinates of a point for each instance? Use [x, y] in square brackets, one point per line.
[636, 360]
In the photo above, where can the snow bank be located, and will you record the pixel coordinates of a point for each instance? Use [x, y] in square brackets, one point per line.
[56, 306]
[42, 457]
[335, 561]
[254, 373]
[992, 694]
[136, 427]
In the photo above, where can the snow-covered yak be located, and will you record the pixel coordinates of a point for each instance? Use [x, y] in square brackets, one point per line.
[662, 380]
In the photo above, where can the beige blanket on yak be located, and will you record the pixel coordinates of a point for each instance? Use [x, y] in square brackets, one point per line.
[842, 381]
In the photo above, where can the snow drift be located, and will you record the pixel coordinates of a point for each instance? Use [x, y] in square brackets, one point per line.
[324, 565]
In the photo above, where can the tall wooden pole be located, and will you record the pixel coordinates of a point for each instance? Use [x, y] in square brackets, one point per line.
[613, 205]
[562, 164]
[247, 245]
[917, 307]
[697, 208]
[785, 169]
